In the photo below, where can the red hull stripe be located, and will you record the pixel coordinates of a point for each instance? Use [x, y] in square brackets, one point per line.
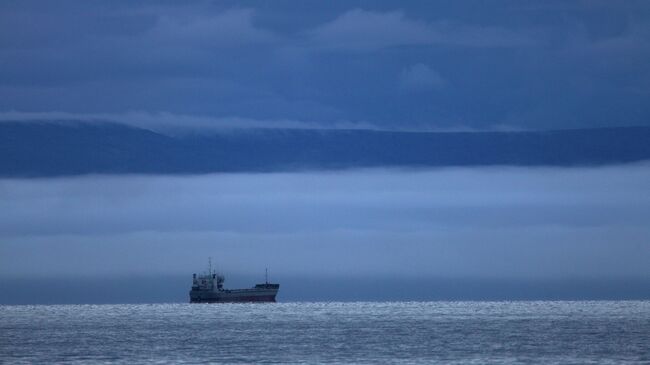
[235, 300]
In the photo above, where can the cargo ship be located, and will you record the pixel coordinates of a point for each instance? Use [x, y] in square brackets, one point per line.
[208, 288]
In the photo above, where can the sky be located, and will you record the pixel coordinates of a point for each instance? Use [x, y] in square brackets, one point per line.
[416, 66]
[494, 222]
[391, 65]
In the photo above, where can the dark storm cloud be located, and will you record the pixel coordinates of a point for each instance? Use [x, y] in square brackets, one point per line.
[521, 64]
[490, 222]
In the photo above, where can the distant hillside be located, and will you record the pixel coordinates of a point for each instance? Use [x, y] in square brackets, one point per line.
[36, 149]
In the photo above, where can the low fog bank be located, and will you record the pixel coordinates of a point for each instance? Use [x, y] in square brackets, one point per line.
[502, 225]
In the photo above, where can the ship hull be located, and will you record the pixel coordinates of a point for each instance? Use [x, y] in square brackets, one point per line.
[233, 296]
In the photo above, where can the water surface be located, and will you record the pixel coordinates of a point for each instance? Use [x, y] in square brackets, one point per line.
[406, 332]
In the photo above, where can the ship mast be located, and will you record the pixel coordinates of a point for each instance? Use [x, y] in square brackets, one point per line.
[210, 265]
[266, 275]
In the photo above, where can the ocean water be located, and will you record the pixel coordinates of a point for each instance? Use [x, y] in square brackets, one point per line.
[389, 332]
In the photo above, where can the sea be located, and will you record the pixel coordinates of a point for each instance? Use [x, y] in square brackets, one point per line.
[517, 332]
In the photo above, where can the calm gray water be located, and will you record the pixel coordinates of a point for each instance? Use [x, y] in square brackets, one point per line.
[408, 332]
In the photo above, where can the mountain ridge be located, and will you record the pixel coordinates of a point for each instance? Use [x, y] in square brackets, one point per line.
[46, 148]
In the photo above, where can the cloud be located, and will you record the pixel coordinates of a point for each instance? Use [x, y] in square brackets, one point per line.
[363, 30]
[586, 68]
[450, 222]
[170, 123]
[166, 122]
[228, 28]
[420, 77]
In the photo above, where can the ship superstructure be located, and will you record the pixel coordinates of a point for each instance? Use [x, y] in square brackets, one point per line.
[208, 288]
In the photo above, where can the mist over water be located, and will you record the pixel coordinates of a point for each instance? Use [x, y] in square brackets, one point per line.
[359, 226]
